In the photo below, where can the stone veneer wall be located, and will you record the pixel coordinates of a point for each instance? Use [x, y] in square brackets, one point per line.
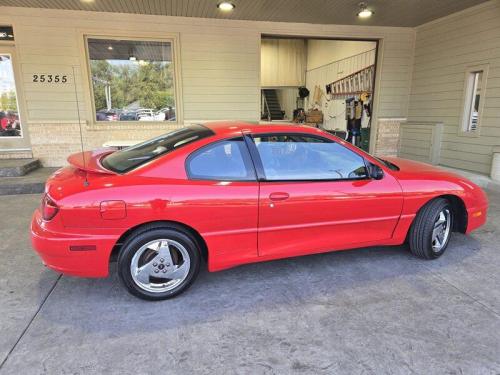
[53, 142]
[387, 138]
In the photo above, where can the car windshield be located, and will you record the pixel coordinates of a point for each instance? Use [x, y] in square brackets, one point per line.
[132, 157]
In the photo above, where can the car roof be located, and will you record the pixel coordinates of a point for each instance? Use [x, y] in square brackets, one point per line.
[230, 127]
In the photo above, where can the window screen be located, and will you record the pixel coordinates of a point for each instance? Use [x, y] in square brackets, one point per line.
[472, 100]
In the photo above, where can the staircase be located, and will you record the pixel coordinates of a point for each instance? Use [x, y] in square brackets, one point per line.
[23, 176]
[272, 108]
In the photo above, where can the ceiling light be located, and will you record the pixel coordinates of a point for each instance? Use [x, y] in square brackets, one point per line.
[364, 12]
[87, 1]
[110, 48]
[132, 58]
[226, 6]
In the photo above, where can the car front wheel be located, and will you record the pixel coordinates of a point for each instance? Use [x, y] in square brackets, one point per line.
[158, 264]
[431, 230]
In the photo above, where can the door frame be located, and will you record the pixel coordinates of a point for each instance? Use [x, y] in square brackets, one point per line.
[379, 48]
[21, 143]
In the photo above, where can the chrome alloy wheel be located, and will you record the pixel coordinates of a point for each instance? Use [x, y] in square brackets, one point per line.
[160, 265]
[441, 231]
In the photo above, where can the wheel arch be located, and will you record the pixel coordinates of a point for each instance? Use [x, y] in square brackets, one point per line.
[459, 211]
[151, 225]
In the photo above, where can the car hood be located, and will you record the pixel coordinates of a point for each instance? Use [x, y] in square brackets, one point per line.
[415, 170]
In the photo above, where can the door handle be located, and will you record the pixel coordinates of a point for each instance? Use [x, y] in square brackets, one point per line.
[279, 196]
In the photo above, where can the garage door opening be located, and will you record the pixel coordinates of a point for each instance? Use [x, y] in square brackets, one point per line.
[320, 82]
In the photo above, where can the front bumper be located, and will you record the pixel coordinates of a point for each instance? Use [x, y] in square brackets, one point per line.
[476, 217]
[53, 246]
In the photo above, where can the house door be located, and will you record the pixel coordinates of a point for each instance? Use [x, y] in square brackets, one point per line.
[13, 129]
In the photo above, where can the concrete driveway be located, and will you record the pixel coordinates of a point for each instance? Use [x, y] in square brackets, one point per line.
[369, 311]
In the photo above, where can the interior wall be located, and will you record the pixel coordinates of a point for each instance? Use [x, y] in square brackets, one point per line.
[288, 100]
[219, 70]
[283, 62]
[444, 50]
[321, 52]
[328, 61]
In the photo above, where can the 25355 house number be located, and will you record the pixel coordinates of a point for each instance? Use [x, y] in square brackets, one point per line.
[50, 78]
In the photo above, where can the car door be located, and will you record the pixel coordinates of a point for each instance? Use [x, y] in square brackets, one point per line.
[222, 197]
[315, 195]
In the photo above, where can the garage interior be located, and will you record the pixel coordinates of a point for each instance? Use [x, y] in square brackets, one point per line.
[323, 83]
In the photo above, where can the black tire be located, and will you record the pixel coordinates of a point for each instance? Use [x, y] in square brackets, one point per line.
[420, 234]
[146, 235]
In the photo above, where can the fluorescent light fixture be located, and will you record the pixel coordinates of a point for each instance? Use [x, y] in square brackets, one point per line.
[364, 12]
[132, 58]
[226, 6]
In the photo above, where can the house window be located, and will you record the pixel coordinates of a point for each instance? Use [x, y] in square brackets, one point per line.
[474, 89]
[132, 80]
[10, 122]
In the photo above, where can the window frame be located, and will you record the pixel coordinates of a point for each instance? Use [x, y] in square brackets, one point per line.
[463, 124]
[92, 123]
[198, 151]
[254, 153]
[21, 142]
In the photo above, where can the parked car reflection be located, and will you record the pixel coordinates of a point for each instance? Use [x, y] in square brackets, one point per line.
[10, 126]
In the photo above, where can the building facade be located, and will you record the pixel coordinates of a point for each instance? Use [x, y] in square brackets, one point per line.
[420, 85]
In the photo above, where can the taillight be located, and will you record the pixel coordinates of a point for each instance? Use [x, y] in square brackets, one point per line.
[49, 208]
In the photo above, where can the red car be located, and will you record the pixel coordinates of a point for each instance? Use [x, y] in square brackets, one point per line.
[233, 193]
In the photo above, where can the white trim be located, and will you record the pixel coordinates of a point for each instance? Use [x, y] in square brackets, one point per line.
[14, 149]
[23, 139]
[392, 119]
[466, 99]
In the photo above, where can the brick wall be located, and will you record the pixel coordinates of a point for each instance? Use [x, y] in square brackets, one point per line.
[53, 142]
[387, 138]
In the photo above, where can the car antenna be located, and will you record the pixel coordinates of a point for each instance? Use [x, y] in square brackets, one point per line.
[86, 181]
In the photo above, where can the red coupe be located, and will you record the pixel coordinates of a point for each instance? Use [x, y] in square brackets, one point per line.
[232, 193]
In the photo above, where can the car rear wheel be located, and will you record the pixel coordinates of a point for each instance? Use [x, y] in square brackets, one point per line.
[158, 264]
[431, 230]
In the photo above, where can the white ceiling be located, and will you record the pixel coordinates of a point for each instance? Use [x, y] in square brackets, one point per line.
[387, 12]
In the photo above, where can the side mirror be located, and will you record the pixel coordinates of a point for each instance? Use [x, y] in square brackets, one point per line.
[375, 172]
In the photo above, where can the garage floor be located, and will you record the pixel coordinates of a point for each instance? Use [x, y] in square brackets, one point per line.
[376, 310]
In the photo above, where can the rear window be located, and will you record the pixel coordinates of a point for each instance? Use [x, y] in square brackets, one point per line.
[132, 157]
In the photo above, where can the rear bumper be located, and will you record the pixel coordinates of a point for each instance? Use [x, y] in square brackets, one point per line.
[54, 249]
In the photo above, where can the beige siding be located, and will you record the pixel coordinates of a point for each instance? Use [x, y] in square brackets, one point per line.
[444, 50]
[421, 141]
[219, 62]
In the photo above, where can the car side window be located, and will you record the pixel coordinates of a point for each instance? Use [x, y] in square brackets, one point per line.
[300, 157]
[227, 160]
